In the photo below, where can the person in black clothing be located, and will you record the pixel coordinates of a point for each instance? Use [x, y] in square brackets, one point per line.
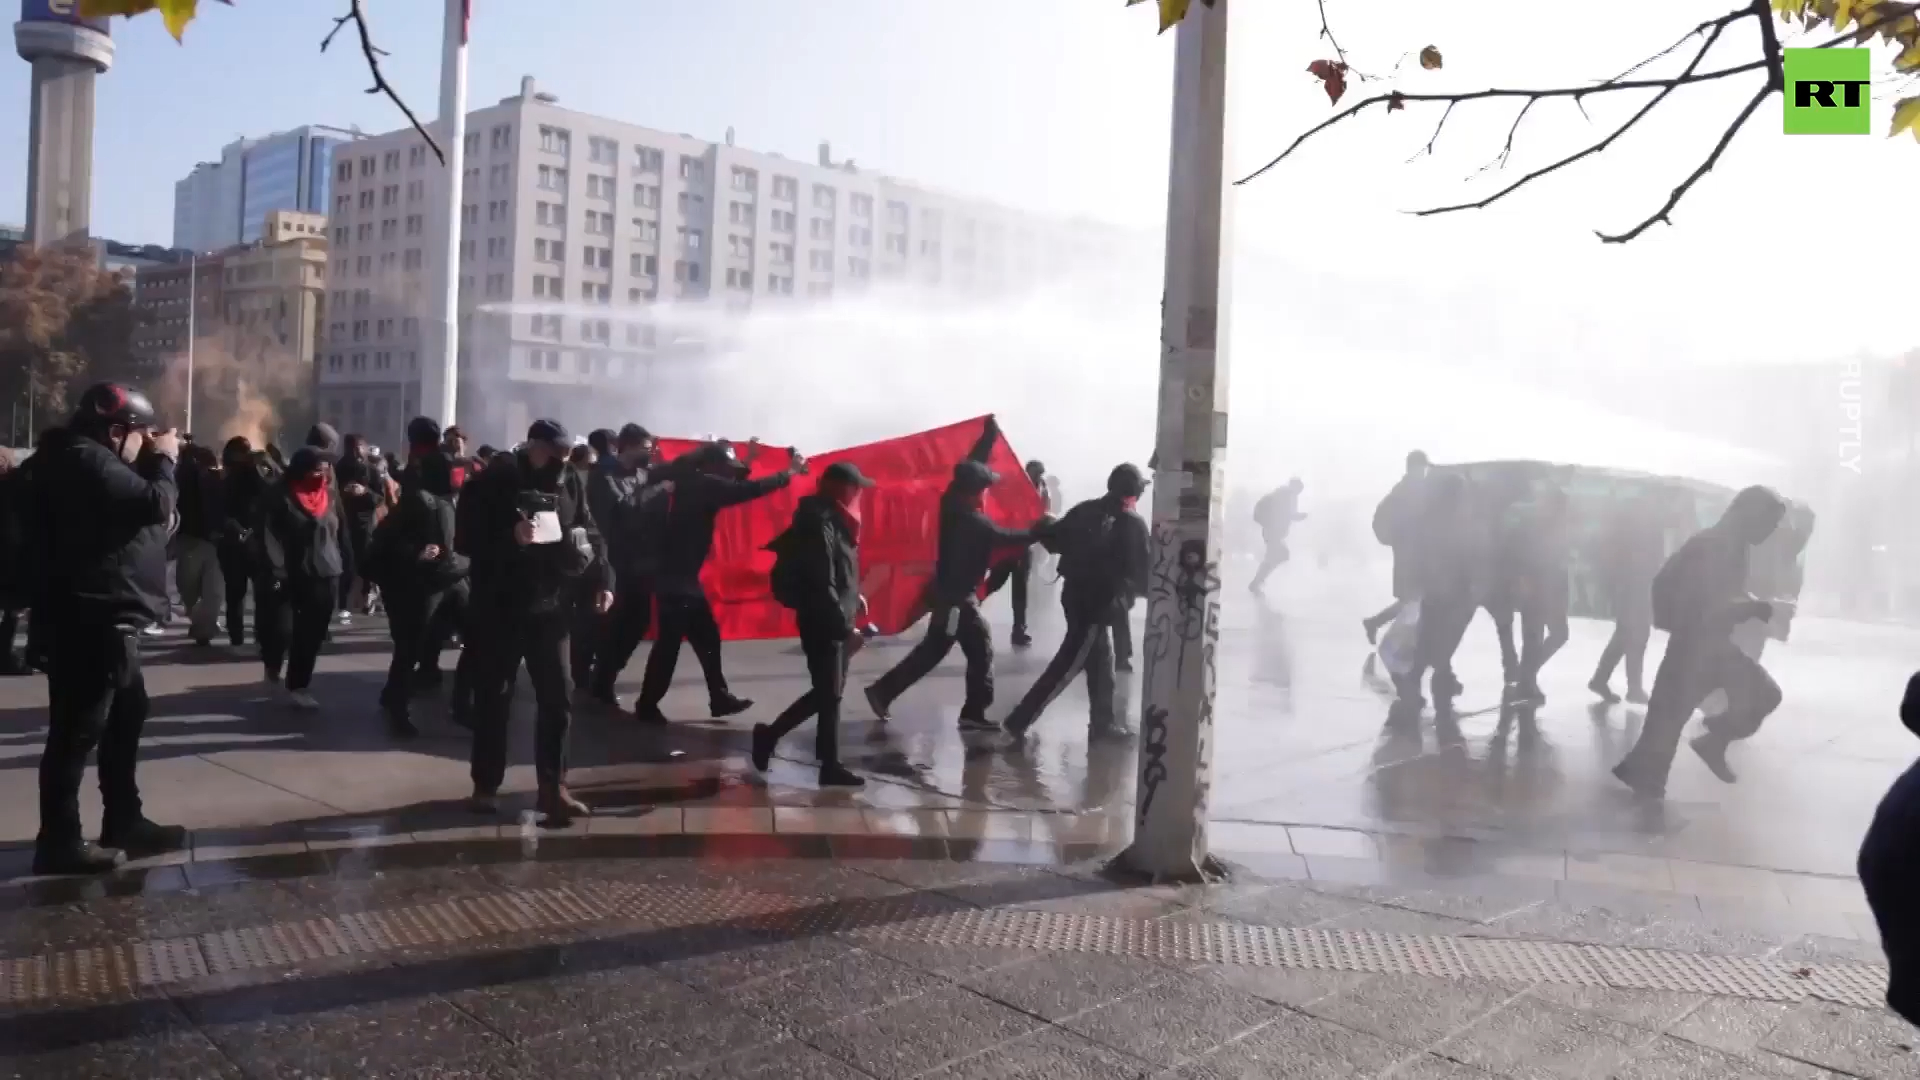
[203, 521]
[297, 547]
[1104, 558]
[412, 556]
[1017, 572]
[583, 637]
[968, 543]
[15, 583]
[363, 495]
[706, 482]
[1449, 572]
[1889, 868]
[1699, 597]
[822, 546]
[1276, 513]
[99, 547]
[630, 495]
[1629, 557]
[525, 524]
[245, 482]
[1396, 523]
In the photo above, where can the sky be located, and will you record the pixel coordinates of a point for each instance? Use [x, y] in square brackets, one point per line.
[1063, 106]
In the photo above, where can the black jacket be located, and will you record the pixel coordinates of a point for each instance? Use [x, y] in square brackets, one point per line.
[101, 530]
[358, 511]
[291, 544]
[687, 533]
[630, 507]
[968, 537]
[418, 520]
[203, 502]
[245, 488]
[1105, 553]
[825, 554]
[512, 578]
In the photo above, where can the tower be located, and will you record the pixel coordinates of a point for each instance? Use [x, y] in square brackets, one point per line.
[66, 52]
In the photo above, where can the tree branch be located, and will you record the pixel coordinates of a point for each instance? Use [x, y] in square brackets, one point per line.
[356, 16]
[1673, 200]
[1713, 30]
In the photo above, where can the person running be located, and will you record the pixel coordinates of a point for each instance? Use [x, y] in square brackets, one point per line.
[1396, 524]
[1275, 513]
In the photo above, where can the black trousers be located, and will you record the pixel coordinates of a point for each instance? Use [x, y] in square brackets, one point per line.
[688, 618]
[96, 697]
[586, 631]
[237, 568]
[1443, 622]
[1275, 556]
[1689, 673]
[1122, 627]
[351, 547]
[947, 626]
[9, 629]
[292, 618]
[499, 643]
[1021, 572]
[623, 630]
[1087, 647]
[410, 624]
[827, 657]
[1889, 867]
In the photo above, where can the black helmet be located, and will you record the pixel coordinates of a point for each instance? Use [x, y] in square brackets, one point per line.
[1127, 481]
[113, 405]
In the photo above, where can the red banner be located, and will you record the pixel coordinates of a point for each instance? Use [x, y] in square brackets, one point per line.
[899, 531]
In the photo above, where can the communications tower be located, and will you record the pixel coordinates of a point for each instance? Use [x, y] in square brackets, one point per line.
[67, 53]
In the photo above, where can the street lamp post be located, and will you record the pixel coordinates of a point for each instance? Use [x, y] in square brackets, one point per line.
[1183, 602]
[193, 313]
[440, 375]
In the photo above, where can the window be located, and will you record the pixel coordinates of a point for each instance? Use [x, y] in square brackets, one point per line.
[359, 329]
[646, 195]
[389, 194]
[783, 221]
[470, 214]
[786, 187]
[547, 213]
[860, 236]
[501, 136]
[342, 171]
[640, 335]
[690, 239]
[410, 326]
[416, 190]
[416, 156]
[366, 166]
[739, 279]
[334, 361]
[692, 168]
[388, 228]
[499, 175]
[391, 160]
[930, 249]
[740, 247]
[359, 364]
[496, 247]
[497, 210]
[643, 265]
[555, 140]
[745, 179]
[896, 243]
[691, 203]
[861, 205]
[342, 203]
[647, 232]
[496, 284]
[648, 160]
[414, 261]
[340, 236]
[598, 258]
[553, 178]
[471, 144]
[820, 229]
[363, 265]
[416, 224]
[821, 289]
[387, 259]
[382, 328]
[600, 187]
[599, 330]
[897, 213]
[782, 253]
[686, 271]
[550, 250]
[362, 297]
[381, 362]
[823, 197]
[600, 223]
[603, 151]
[366, 199]
[596, 294]
[740, 213]
[780, 285]
[545, 326]
[820, 260]
[858, 267]
[547, 286]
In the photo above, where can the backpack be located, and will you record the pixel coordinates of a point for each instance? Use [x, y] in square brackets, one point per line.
[784, 578]
[1084, 540]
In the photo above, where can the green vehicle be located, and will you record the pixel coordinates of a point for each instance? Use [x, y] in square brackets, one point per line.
[1595, 496]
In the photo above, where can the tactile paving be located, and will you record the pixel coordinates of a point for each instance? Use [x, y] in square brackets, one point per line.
[109, 972]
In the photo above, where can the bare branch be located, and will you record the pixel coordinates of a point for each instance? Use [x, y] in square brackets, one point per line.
[1673, 200]
[356, 16]
[1575, 92]
[1436, 131]
[1326, 31]
[1713, 30]
[1506, 149]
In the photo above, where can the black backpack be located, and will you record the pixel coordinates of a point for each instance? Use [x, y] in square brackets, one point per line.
[784, 577]
[1084, 540]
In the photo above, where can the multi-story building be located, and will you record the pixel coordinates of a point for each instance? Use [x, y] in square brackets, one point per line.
[222, 203]
[566, 215]
[254, 324]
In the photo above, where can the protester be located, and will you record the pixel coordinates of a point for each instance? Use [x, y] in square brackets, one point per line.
[203, 522]
[411, 556]
[244, 482]
[817, 575]
[102, 499]
[1396, 524]
[298, 550]
[1889, 867]
[363, 501]
[630, 498]
[1276, 513]
[1630, 554]
[15, 579]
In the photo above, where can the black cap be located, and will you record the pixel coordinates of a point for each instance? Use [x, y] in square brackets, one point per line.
[632, 435]
[548, 431]
[846, 472]
[1035, 467]
[423, 431]
[601, 439]
[1127, 481]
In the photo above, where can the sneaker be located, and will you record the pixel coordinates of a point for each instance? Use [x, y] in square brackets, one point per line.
[140, 838]
[1713, 750]
[484, 801]
[1017, 730]
[1373, 630]
[400, 722]
[558, 808]
[1604, 692]
[74, 859]
[153, 631]
[878, 704]
[976, 723]
[302, 700]
[729, 705]
[648, 714]
[1642, 785]
[1636, 696]
[763, 741]
[346, 617]
[838, 775]
[1021, 639]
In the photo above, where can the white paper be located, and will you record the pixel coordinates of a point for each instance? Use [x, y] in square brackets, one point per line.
[546, 527]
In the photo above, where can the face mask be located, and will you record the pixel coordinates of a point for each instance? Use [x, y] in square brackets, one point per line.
[1129, 502]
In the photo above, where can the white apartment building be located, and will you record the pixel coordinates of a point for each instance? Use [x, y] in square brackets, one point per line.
[562, 207]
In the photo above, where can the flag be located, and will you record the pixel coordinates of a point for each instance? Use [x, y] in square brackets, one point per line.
[899, 529]
[466, 20]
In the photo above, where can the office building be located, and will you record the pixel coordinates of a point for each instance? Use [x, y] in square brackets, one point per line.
[561, 207]
[222, 203]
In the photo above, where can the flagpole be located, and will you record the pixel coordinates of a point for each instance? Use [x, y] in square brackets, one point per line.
[440, 375]
[1183, 600]
[193, 313]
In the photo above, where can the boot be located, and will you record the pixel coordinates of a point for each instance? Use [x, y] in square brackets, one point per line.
[763, 743]
[400, 722]
[557, 806]
[649, 714]
[1021, 639]
[834, 774]
[1712, 749]
[878, 704]
[484, 800]
[140, 838]
[1602, 691]
[76, 858]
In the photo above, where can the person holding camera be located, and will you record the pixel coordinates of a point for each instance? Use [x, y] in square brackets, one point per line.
[104, 499]
[528, 534]
[1700, 597]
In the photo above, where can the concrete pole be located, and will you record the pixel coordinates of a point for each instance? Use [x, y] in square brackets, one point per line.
[440, 374]
[1183, 602]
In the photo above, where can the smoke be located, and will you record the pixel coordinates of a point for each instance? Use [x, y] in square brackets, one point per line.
[244, 382]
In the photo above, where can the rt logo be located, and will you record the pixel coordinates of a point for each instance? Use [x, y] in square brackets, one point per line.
[1827, 92]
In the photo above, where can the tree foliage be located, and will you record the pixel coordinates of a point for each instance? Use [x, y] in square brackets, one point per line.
[63, 322]
[1892, 25]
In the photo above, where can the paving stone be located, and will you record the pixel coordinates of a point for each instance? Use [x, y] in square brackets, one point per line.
[1174, 1021]
[1654, 1010]
[1054, 987]
[1047, 1054]
[1299, 1046]
[1527, 1040]
[812, 997]
[1858, 1042]
[376, 1040]
[1676, 1059]
[1413, 1012]
[923, 1033]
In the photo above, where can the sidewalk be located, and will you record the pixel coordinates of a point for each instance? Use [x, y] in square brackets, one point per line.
[747, 967]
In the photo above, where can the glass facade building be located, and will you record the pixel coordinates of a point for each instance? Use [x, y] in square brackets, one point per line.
[226, 202]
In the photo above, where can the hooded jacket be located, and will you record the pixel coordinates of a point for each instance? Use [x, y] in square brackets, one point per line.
[969, 539]
[293, 544]
[629, 505]
[697, 498]
[824, 551]
[1695, 590]
[101, 529]
[510, 578]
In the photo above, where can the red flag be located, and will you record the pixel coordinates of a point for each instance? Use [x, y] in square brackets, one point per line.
[466, 20]
[899, 530]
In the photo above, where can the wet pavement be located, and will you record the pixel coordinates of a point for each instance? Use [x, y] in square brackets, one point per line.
[341, 914]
